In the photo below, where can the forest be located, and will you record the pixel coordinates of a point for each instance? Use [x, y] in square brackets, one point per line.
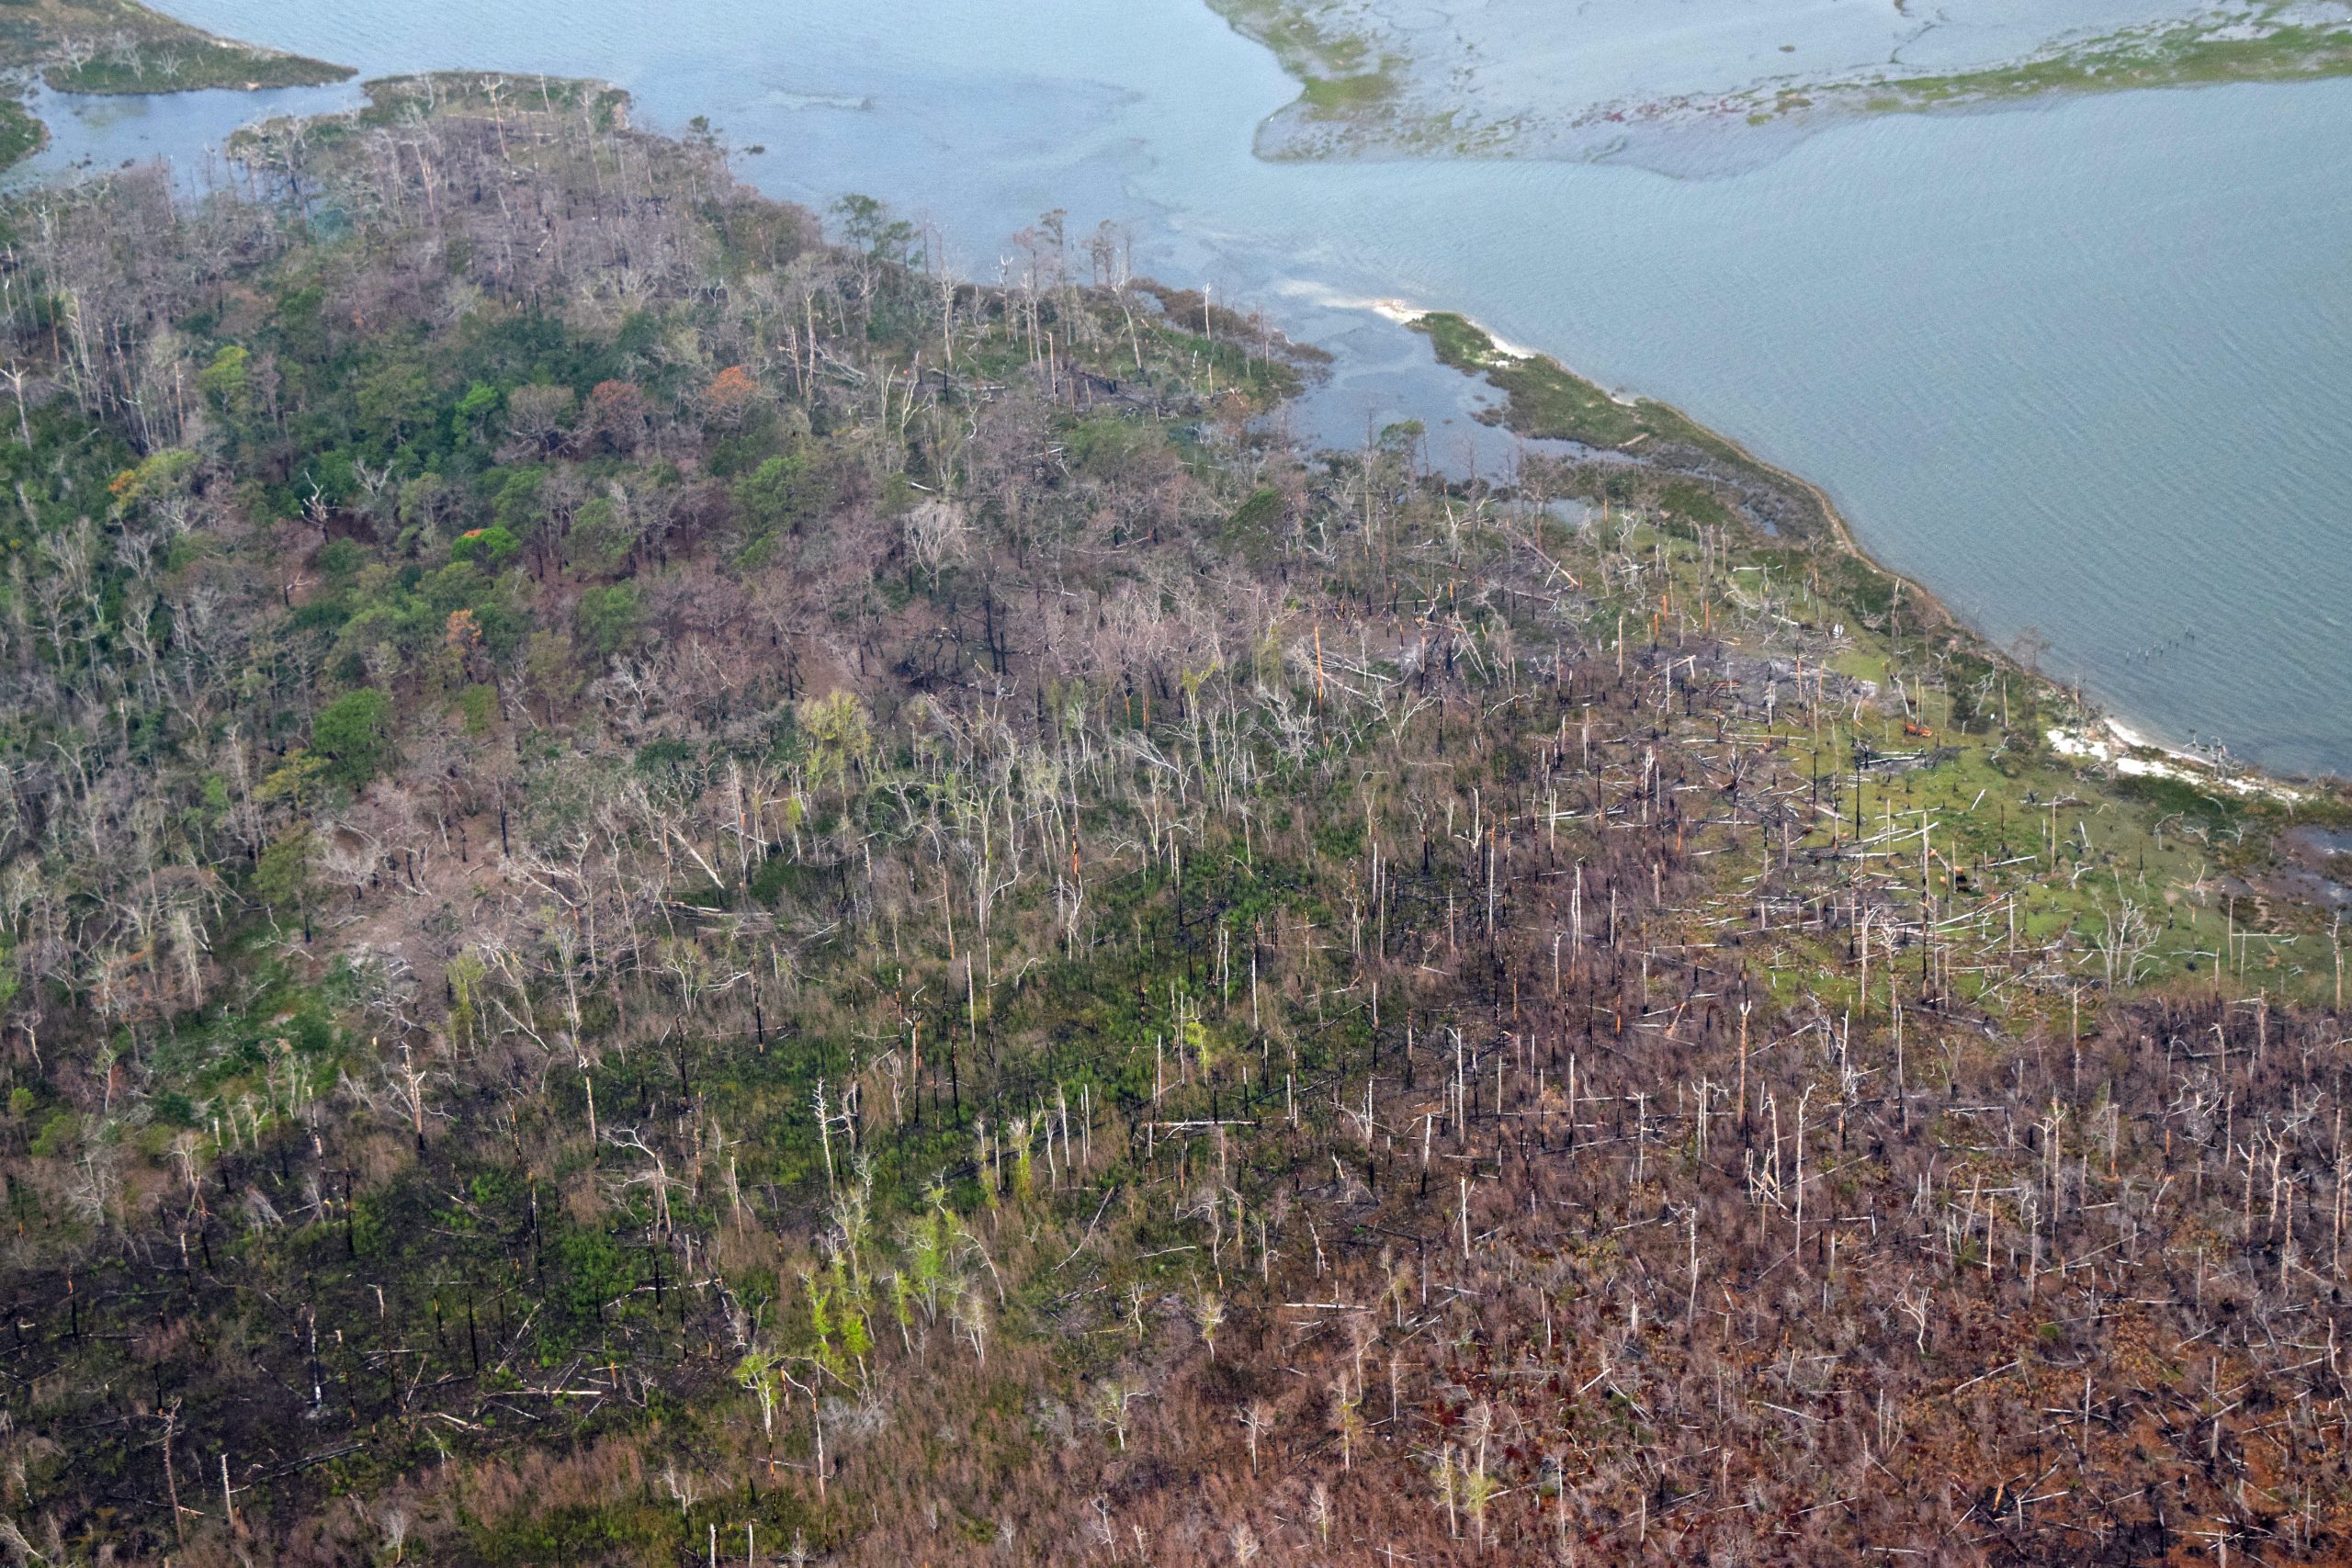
[670, 881]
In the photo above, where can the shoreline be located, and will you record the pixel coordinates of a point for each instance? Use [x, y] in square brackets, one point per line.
[2095, 735]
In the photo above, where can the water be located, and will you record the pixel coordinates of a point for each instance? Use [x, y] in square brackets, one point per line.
[2083, 369]
[1642, 78]
[93, 134]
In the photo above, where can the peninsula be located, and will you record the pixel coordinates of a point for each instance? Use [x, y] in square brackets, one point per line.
[674, 887]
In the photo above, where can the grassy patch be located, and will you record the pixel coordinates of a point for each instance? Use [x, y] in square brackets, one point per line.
[2198, 53]
[1546, 400]
[1550, 402]
[1306, 43]
[1687, 501]
[1342, 74]
[21, 135]
[2178, 797]
[2173, 57]
[1336, 98]
[174, 66]
[118, 46]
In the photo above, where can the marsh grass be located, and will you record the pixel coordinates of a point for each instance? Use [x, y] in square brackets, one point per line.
[21, 134]
[119, 47]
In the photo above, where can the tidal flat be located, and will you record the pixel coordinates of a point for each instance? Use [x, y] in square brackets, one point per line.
[1617, 81]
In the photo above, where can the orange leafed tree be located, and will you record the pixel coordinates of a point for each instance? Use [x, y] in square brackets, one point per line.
[730, 395]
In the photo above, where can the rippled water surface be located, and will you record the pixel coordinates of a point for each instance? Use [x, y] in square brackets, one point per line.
[2084, 368]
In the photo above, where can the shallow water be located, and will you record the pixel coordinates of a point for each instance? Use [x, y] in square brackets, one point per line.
[92, 135]
[2084, 368]
[1567, 77]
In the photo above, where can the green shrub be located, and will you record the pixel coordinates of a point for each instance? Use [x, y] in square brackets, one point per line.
[57, 1134]
[489, 546]
[609, 619]
[355, 733]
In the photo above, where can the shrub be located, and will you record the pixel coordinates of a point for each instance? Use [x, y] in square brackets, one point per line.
[354, 732]
[490, 546]
[609, 619]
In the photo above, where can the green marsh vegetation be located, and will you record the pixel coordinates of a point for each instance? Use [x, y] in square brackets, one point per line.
[21, 135]
[2262, 45]
[1544, 399]
[1361, 92]
[120, 46]
[1343, 74]
[1547, 400]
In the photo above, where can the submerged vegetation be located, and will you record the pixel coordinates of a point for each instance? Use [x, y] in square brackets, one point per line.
[674, 888]
[2274, 42]
[1366, 89]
